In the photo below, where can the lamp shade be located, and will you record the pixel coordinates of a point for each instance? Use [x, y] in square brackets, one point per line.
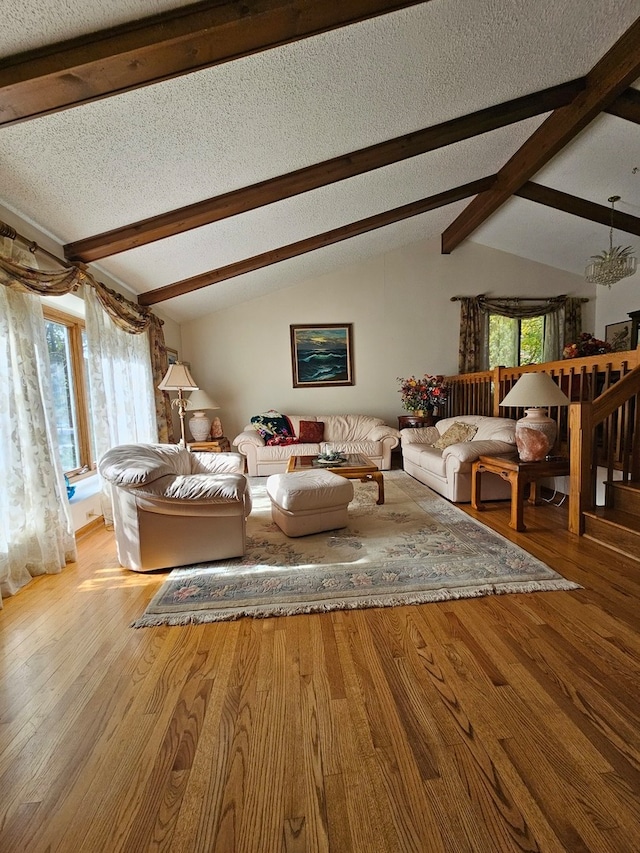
[201, 400]
[178, 378]
[536, 432]
[535, 389]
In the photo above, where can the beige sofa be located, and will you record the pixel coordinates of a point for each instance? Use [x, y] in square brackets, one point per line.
[347, 433]
[172, 507]
[448, 471]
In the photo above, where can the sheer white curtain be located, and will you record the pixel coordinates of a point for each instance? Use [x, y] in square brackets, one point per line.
[121, 384]
[36, 531]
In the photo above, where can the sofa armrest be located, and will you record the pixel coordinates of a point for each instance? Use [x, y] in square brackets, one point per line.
[249, 442]
[469, 451]
[133, 465]
[420, 435]
[249, 436]
[379, 433]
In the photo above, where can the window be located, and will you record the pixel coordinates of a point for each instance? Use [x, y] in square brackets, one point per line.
[513, 341]
[67, 345]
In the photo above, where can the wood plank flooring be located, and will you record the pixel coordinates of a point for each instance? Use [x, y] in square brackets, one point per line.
[506, 723]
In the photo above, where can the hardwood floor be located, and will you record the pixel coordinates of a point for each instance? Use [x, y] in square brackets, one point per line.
[506, 723]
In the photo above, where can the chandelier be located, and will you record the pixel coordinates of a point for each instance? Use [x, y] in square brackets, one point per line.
[613, 263]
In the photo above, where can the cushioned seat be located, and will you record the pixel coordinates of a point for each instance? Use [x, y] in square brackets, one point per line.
[172, 507]
[306, 502]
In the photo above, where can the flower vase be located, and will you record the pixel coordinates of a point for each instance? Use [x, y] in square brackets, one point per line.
[419, 413]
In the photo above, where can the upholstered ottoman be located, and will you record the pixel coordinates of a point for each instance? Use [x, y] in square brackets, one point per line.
[306, 502]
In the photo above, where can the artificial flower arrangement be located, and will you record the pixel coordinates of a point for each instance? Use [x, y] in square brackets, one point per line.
[423, 394]
[586, 345]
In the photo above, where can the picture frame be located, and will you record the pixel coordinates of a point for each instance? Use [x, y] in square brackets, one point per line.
[172, 356]
[618, 335]
[634, 317]
[322, 355]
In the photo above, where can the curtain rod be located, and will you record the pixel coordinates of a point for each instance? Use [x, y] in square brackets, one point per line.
[33, 247]
[516, 298]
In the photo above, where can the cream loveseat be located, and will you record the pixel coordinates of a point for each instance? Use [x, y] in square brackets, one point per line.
[448, 470]
[172, 507]
[347, 433]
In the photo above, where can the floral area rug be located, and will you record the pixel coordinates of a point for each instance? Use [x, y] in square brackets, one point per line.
[416, 548]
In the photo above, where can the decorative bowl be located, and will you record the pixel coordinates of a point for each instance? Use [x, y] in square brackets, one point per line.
[330, 458]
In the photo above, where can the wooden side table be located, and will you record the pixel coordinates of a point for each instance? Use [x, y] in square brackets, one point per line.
[414, 421]
[218, 445]
[518, 474]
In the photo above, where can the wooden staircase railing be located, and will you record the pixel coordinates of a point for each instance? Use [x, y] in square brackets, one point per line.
[601, 427]
[604, 433]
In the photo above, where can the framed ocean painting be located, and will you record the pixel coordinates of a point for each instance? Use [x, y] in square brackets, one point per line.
[322, 356]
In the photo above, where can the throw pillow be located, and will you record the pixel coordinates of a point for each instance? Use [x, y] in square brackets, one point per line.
[456, 433]
[272, 423]
[311, 432]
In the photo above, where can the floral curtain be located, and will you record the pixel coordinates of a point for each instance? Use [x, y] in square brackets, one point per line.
[36, 530]
[563, 320]
[572, 321]
[159, 366]
[19, 275]
[120, 382]
[473, 351]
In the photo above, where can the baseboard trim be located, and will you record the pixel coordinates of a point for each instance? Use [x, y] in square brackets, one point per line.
[95, 522]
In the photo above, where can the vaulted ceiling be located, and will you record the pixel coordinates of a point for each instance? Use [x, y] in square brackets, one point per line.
[220, 150]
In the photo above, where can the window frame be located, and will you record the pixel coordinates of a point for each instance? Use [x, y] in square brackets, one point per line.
[76, 327]
[518, 342]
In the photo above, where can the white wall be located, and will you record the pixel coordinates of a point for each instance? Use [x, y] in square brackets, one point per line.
[403, 323]
[613, 305]
[85, 505]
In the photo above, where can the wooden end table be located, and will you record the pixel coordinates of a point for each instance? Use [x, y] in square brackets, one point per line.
[218, 445]
[414, 421]
[356, 467]
[519, 474]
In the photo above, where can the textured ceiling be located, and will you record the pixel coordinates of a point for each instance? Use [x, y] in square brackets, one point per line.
[115, 161]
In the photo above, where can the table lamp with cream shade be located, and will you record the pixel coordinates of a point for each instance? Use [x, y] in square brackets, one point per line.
[178, 378]
[199, 422]
[536, 432]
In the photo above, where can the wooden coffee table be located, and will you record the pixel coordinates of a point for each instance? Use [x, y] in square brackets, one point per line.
[356, 467]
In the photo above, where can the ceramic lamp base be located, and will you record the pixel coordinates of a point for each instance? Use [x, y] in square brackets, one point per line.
[199, 426]
[535, 435]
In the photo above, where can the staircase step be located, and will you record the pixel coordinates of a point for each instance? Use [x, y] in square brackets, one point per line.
[625, 496]
[614, 528]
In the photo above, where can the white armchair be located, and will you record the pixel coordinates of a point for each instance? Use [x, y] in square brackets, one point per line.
[172, 507]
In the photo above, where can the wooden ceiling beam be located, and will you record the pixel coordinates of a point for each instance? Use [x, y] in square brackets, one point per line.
[319, 175]
[318, 241]
[576, 206]
[626, 106]
[607, 80]
[139, 53]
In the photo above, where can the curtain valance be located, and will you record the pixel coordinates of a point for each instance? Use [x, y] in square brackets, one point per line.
[43, 282]
[521, 309]
[128, 316]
